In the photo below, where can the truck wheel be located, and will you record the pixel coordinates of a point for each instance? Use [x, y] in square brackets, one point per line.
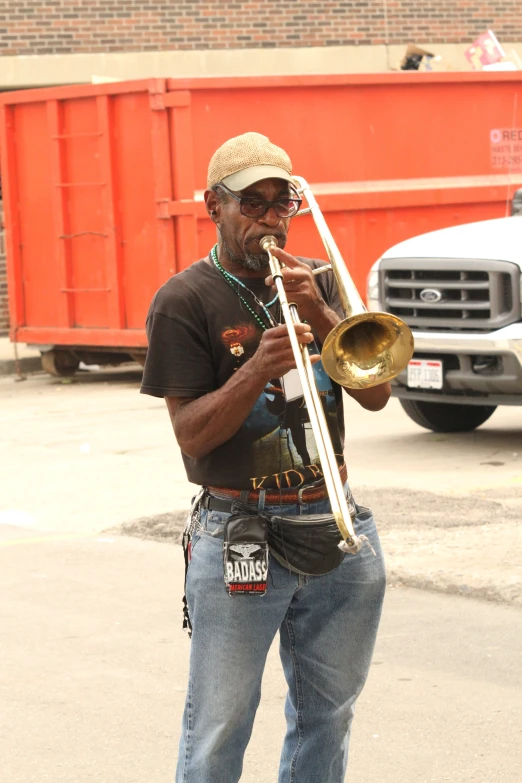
[445, 417]
[61, 364]
[138, 357]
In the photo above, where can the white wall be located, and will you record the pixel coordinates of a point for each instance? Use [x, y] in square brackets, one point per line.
[25, 71]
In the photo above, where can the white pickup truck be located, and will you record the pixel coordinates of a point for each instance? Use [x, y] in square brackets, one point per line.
[460, 291]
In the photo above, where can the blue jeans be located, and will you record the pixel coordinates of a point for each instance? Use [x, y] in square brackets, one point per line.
[327, 626]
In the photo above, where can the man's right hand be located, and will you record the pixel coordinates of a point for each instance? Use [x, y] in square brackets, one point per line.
[202, 424]
[274, 356]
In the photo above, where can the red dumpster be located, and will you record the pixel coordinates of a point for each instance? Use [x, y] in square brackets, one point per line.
[103, 184]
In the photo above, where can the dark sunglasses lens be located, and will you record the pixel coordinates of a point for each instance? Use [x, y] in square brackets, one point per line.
[257, 207]
[253, 207]
[287, 207]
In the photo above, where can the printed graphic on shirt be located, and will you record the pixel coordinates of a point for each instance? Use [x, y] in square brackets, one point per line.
[235, 338]
[281, 435]
[278, 433]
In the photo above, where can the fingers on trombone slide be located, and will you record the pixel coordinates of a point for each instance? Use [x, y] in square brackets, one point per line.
[322, 269]
[303, 332]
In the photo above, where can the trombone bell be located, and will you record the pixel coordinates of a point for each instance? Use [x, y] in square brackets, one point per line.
[367, 349]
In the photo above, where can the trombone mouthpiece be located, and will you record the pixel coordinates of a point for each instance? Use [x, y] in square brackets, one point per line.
[268, 242]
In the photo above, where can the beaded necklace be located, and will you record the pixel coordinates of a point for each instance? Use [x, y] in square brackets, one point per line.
[234, 283]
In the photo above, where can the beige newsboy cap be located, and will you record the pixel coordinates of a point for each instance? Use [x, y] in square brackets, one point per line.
[246, 159]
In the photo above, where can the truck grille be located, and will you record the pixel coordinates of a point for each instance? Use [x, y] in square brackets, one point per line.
[448, 294]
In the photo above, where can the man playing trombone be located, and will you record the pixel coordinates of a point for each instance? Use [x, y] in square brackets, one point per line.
[221, 356]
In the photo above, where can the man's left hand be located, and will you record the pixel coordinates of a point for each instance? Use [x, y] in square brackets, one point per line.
[301, 288]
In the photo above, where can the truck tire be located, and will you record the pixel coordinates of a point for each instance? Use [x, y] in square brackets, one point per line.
[445, 417]
[60, 363]
[138, 357]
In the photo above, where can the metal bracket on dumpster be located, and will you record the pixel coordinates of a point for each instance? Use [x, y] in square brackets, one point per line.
[166, 209]
[162, 209]
[169, 100]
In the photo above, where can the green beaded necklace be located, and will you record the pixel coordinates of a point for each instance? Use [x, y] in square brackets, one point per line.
[234, 283]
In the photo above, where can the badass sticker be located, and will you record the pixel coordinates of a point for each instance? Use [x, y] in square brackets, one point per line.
[246, 568]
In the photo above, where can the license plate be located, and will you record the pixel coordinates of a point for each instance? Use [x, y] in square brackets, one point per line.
[425, 374]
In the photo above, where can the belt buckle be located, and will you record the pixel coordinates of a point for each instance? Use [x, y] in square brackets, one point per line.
[317, 487]
[300, 499]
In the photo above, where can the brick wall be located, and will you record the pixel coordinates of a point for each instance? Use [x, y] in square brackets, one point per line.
[4, 318]
[70, 26]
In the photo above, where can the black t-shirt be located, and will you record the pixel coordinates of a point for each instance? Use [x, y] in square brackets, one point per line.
[199, 334]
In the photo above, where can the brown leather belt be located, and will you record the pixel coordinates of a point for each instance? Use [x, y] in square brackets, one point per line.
[276, 497]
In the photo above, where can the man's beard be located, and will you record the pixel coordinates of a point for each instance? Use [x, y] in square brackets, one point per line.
[254, 262]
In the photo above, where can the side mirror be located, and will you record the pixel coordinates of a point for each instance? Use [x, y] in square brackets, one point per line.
[516, 204]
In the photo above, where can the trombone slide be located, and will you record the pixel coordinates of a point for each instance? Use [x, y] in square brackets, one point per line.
[332, 478]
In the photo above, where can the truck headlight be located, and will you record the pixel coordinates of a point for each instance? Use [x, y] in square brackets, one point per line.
[372, 288]
[516, 204]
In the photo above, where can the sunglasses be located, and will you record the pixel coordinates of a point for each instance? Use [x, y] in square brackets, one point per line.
[255, 207]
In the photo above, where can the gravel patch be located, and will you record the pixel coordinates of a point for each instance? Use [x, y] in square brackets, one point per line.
[393, 508]
[167, 528]
[402, 508]
[465, 545]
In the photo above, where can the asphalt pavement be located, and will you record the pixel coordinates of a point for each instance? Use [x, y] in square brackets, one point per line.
[94, 667]
[93, 656]
[448, 506]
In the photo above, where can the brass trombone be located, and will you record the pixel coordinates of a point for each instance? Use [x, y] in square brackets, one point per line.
[363, 350]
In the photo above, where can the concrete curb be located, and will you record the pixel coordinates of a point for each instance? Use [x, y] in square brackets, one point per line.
[29, 358]
[508, 595]
[25, 365]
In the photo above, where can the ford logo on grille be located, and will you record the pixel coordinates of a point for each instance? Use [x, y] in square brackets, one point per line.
[431, 295]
